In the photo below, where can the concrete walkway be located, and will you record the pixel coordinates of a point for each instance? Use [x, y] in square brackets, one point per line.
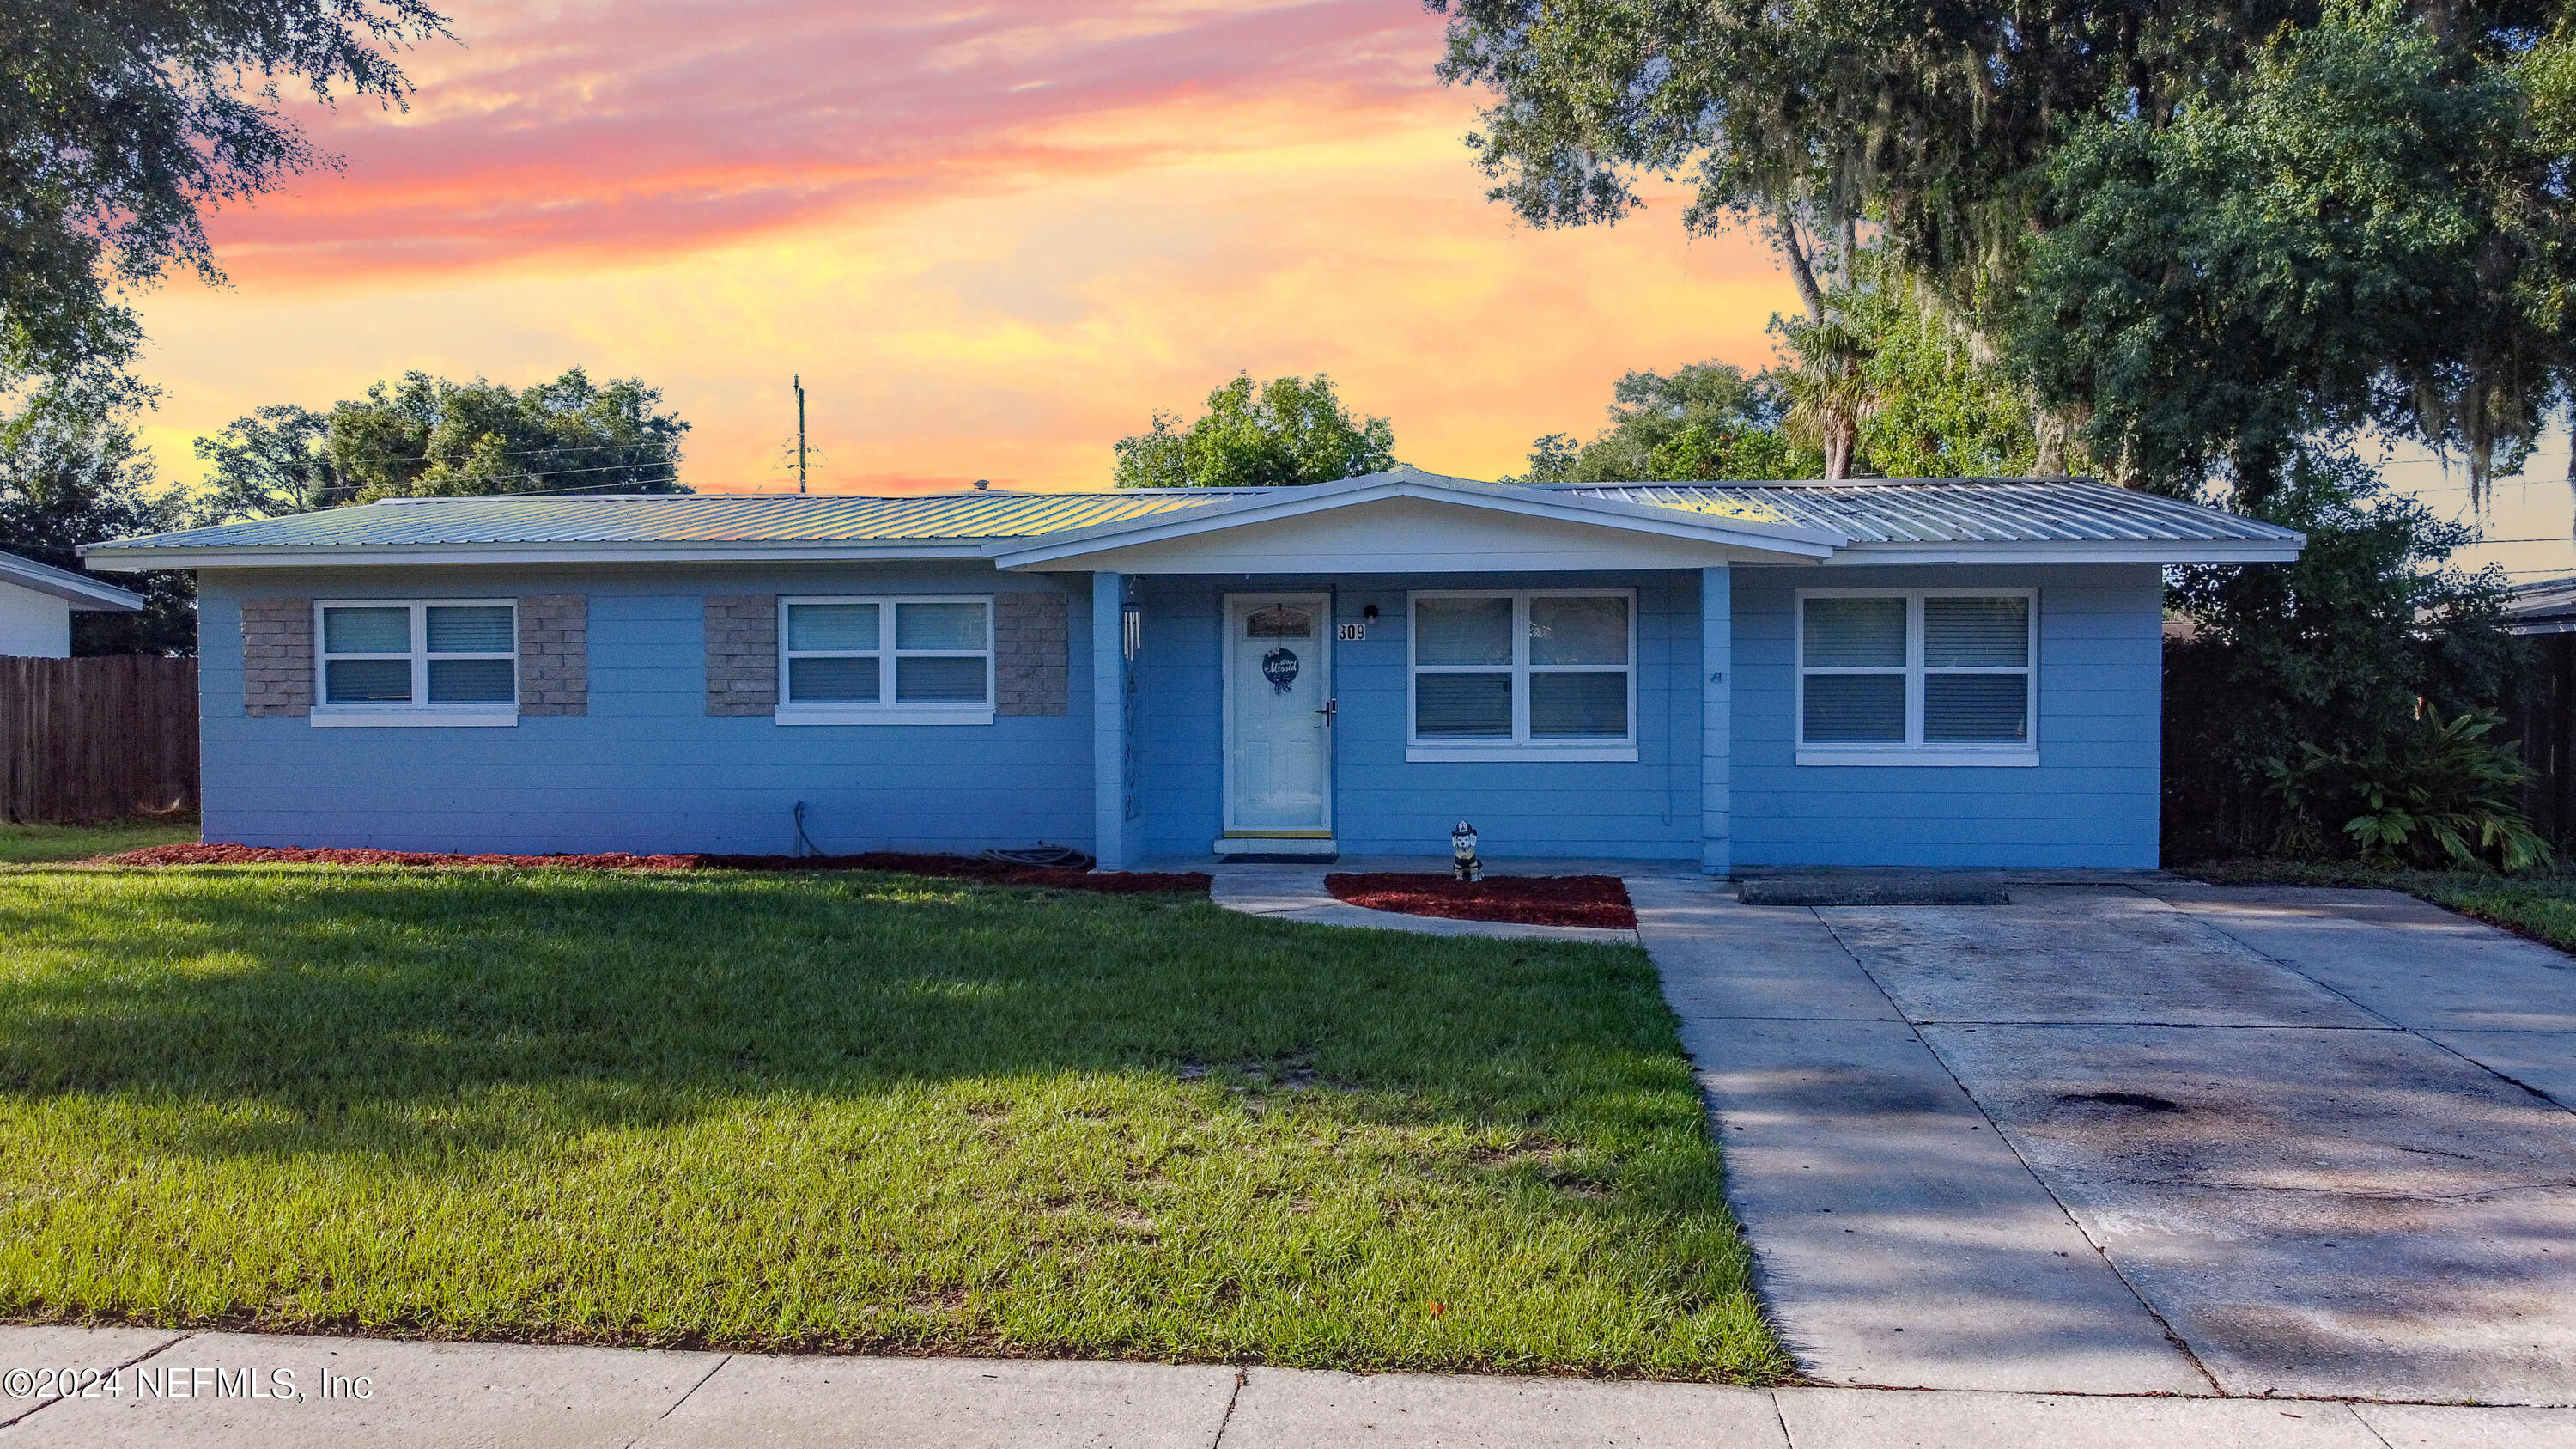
[233, 1391]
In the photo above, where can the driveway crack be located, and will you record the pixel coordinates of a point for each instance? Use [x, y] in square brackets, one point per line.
[684, 1398]
[1242, 1376]
[43, 1404]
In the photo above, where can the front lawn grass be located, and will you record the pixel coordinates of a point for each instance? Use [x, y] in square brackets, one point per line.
[22, 844]
[2542, 907]
[852, 1111]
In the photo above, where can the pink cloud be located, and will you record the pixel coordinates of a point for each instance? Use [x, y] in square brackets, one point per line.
[637, 128]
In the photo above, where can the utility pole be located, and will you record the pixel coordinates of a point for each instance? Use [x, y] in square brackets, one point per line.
[799, 379]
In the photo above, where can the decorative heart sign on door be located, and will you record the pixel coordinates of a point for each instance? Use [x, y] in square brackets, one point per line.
[1279, 666]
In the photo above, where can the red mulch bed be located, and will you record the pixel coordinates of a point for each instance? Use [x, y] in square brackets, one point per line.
[1528, 900]
[954, 866]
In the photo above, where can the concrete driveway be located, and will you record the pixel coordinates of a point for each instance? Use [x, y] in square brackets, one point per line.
[2145, 1136]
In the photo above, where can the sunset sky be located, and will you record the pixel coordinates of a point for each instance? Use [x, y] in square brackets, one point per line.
[992, 239]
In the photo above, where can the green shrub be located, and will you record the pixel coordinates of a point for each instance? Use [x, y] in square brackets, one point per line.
[2443, 793]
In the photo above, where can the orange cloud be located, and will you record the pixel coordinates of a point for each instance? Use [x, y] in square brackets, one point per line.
[990, 240]
[616, 132]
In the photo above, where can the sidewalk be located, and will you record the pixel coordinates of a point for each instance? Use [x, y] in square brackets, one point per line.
[449, 1396]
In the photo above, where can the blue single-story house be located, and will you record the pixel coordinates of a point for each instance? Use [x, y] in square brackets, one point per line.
[1931, 673]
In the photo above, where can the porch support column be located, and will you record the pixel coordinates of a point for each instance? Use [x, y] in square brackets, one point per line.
[1716, 721]
[1109, 721]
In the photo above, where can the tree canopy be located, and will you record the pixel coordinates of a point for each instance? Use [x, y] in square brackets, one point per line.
[429, 437]
[2112, 199]
[123, 121]
[1699, 422]
[1287, 431]
[1900, 390]
[2362, 229]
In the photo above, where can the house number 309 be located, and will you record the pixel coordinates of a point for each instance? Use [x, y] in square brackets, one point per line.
[1351, 631]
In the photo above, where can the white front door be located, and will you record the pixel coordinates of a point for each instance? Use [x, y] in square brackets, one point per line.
[1278, 724]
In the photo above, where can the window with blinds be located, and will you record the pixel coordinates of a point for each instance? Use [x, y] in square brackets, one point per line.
[420, 656]
[1914, 673]
[869, 657]
[1537, 668]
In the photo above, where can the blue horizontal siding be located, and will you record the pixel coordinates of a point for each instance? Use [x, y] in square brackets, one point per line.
[646, 769]
[1648, 810]
[2092, 799]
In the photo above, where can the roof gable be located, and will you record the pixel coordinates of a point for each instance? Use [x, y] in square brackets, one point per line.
[1404, 517]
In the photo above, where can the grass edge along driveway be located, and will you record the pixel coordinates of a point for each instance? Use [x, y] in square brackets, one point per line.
[848, 1112]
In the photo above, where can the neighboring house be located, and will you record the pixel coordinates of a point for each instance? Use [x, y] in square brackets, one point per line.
[2547, 607]
[37, 602]
[1863, 673]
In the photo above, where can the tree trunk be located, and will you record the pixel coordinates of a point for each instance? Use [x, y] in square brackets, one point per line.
[1784, 235]
[2050, 431]
[2258, 474]
[1841, 434]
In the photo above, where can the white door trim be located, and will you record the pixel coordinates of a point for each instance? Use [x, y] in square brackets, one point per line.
[1229, 609]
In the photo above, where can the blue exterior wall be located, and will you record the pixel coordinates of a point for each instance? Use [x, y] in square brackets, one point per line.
[646, 769]
[2092, 800]
[1649, 810]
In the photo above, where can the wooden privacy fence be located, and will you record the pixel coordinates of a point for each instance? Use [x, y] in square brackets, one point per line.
[2540, 710]
[97, 739]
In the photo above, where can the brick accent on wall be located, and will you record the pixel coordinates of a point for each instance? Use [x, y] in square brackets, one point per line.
[742, 654]
[554, 654]
[277, 657]
[1030, 646]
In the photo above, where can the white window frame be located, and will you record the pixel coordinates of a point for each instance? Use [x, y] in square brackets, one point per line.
[1441, 750]
[417, 711]
[1914, 750]
[886, 711]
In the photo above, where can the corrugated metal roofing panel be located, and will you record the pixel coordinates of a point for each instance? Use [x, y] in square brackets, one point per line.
[688, 518]
[1958, 510]
[1882, 512]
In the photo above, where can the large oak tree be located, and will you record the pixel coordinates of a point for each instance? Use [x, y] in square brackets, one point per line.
[123, 121]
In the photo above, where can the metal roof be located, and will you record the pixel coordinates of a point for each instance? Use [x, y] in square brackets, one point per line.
[1935, 520]
[685, 518]
[1959, 510]
[2546, 606]
[84, 592]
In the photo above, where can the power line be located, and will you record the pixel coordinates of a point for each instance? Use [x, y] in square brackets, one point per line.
[513, 493]
[562, 472]
[512, 452]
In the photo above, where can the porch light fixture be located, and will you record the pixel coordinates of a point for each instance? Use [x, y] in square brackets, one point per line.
[1462, 848]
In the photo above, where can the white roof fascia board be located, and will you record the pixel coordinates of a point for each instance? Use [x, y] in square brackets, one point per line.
[2154, 551]
[85, 594]
[1599, 512]
[415, 555]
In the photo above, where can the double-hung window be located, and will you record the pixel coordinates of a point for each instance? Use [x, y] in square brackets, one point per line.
[416, 662]
[1531, 674]
[1918, 677]
[885, 660]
